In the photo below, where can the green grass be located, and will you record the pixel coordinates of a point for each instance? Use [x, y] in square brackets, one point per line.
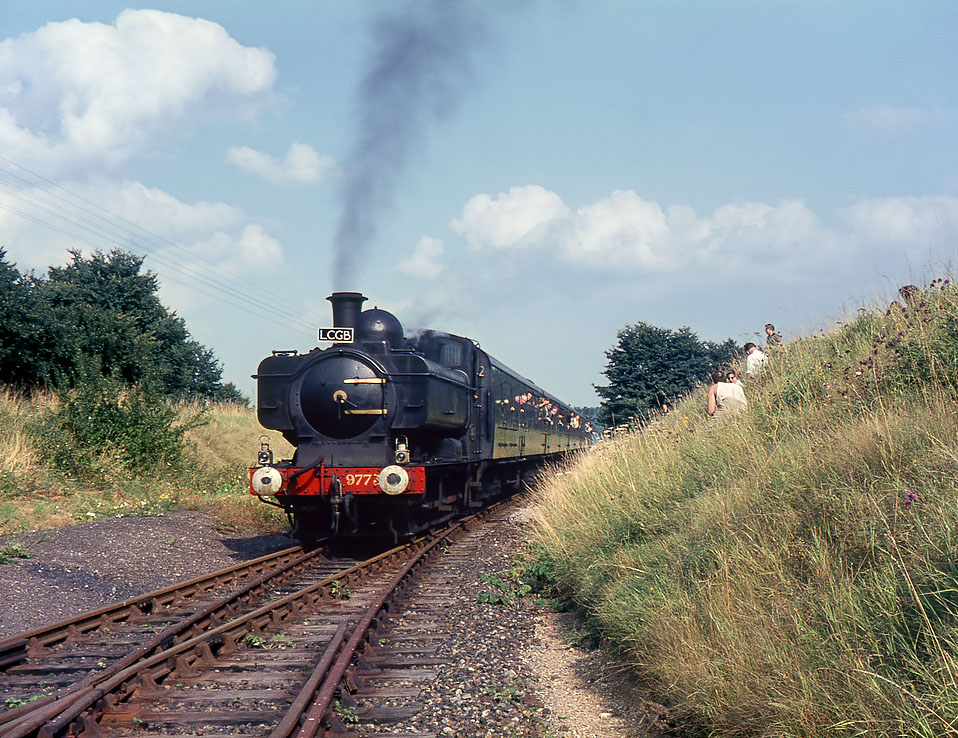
[794, 571]
[49, 477]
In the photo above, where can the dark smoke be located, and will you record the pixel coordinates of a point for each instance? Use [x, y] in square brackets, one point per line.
[419, 72]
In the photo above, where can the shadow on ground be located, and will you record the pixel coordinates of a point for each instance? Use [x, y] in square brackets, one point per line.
[254, 546]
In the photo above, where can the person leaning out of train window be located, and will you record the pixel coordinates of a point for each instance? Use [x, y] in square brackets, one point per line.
[724, 398]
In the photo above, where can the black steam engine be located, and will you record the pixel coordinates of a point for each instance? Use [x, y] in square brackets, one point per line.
[395, 434]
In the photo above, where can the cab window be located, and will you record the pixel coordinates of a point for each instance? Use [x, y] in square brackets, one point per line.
[450, 354]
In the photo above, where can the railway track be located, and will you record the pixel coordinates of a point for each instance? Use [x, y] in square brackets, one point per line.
[297, 648]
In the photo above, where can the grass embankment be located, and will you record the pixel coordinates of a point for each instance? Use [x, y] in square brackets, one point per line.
[794, 571]
[54, 472]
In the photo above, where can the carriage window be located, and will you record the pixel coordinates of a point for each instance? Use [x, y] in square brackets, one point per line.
[450, 354]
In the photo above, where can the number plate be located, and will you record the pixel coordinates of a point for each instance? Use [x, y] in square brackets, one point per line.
[336, 335]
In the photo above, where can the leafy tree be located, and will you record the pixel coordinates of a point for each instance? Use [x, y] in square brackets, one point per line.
[102, 312]
[29, 351]
[16, 327]
[651, 366]
[112, 315]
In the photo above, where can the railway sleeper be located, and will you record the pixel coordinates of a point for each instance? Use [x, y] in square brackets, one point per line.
[397, 650]
[232, 695]
[385, 715]
[401, 675]
[53, 670]
[387, 693]
[104, 639]
[400, 663]
[262, 659]
[379, 734]
[198, 719]
[263, 678]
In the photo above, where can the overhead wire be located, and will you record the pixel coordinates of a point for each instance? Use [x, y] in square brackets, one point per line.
[200, 284]
[115, 234]
[110, 228]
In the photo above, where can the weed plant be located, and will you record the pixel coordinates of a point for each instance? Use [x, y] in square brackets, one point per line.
[107, 450]
[793, 571]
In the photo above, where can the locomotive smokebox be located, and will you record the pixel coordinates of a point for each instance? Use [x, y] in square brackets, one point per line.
[346, 308]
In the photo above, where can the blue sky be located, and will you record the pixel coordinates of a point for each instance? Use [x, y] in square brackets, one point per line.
[535, 175]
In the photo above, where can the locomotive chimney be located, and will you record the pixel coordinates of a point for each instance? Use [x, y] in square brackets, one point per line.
[346, 308]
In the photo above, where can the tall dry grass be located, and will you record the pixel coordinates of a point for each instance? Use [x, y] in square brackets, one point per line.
[18, 457]
[230, 435]
[793, 572]
[36, 492]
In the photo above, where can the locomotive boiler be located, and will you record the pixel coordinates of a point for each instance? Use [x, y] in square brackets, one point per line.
[394, 434]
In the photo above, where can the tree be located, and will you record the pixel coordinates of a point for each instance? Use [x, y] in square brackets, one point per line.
[100, 314]
[111, 315]
[651, 366]
[29, 353]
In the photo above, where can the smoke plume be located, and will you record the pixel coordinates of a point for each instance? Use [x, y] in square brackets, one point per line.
[417, 75]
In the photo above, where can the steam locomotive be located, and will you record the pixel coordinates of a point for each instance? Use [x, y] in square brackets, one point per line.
[394, 434]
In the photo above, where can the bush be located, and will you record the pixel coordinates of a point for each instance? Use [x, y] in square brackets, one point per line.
[102, 416]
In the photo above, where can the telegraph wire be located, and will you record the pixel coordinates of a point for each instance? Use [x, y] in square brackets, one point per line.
[107, 231]
[216, 294]
[215, 289]
[223, 286]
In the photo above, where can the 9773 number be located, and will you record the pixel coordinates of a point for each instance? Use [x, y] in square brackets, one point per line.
[360, 480]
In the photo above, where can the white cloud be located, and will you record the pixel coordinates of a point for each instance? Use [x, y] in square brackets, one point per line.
[903, 220]
[41, 225]
[154, 209]
[624, 233]
[762, 232]
[895, 118]
[510, 220]
[259, 248]
[74, 92]
[302, 165]
[424, 262]
[620, 229]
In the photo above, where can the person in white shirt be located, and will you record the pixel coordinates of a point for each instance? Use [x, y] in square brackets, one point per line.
[755, 358]
[724, 398]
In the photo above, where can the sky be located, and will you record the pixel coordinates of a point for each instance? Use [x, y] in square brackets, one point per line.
[534, 174]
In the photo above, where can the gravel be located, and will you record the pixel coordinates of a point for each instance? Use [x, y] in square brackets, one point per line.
[513, 670]
[68, 571]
